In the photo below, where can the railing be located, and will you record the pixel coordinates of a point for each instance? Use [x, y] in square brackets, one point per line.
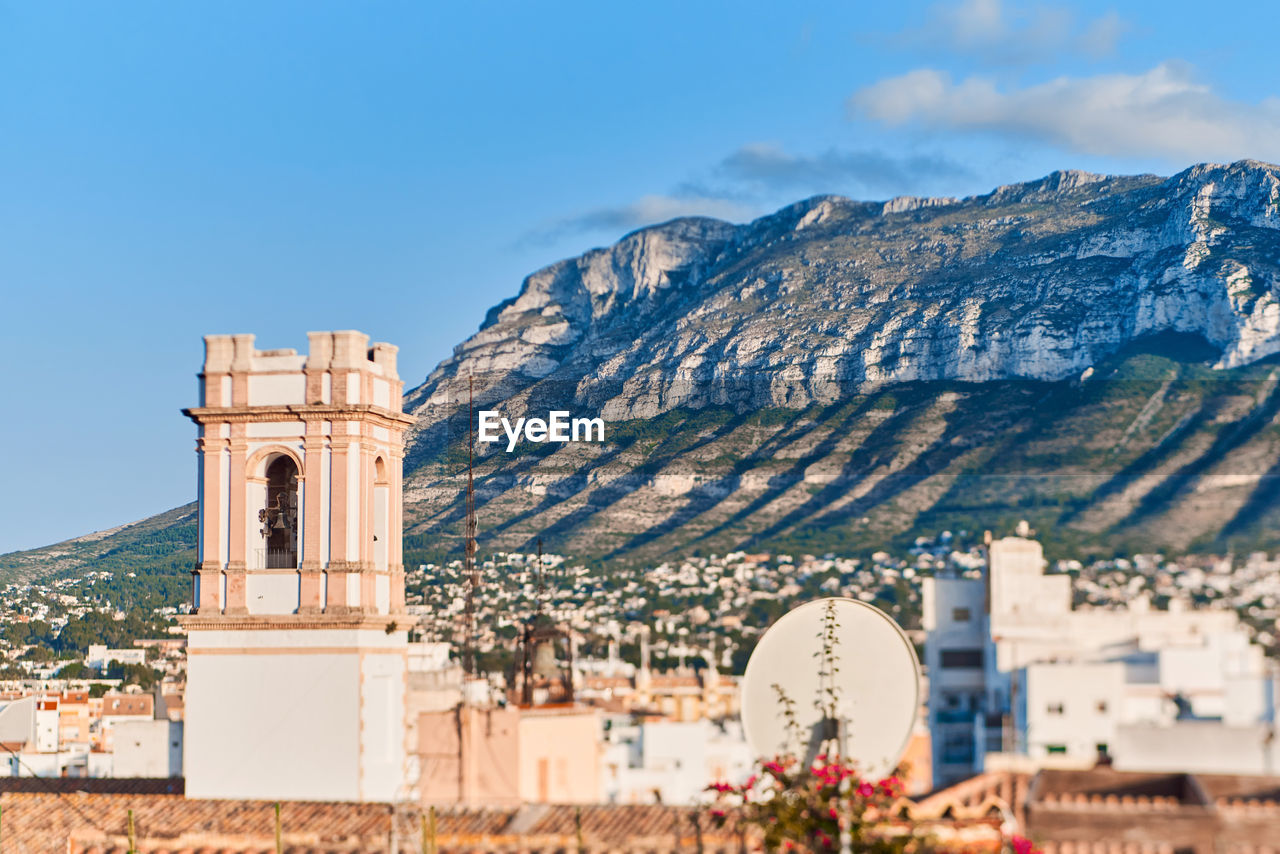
[275, 559]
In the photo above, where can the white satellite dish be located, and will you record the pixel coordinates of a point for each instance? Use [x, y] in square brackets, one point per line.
[864, 706]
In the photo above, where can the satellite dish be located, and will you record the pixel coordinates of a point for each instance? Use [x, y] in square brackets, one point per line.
[860, 700]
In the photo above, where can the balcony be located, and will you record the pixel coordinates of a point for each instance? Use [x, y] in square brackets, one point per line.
[274, 559]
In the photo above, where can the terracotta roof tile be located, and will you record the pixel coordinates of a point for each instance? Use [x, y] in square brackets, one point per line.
[127, 704]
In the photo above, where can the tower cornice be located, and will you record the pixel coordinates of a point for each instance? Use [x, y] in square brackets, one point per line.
[300, 412]
[226, 622]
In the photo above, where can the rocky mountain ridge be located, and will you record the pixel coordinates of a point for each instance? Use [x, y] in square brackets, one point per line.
[830, 296]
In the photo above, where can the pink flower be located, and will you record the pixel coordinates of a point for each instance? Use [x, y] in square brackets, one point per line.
[866, 790]
[890, 787]
[1022, 845]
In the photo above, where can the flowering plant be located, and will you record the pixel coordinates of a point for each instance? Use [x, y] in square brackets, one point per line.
[827, 806]
[791, 808]
[805, 809]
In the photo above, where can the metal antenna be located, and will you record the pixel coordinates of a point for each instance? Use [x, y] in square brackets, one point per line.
[469, 564]
[542, 587]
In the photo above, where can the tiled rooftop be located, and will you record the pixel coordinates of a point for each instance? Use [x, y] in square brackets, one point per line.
[82, 818]
[85, 823]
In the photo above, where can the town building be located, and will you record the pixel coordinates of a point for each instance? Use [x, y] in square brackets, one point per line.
[100, 657]
[297, 638]
[671, 762]
[149, 747]
[70, 734]
[479, 746]
[1016, 671]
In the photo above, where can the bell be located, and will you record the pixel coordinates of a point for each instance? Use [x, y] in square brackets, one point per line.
[279, 525]
[544, 661]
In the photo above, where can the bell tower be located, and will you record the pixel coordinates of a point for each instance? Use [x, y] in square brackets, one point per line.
[297, 639]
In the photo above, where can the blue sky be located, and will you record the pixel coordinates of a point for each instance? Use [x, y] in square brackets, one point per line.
[169, 170]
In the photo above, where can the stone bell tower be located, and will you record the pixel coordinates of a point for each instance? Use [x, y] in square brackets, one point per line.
[297, 639]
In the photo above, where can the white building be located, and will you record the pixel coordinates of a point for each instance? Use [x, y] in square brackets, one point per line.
[297, 644]
[150, 748]
[956, 655]
[1015, 670]
[671, 762]
[29, 729]
[100, 657]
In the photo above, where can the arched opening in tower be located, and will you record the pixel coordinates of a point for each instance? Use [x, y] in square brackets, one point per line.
[280, 516]
[381, 514]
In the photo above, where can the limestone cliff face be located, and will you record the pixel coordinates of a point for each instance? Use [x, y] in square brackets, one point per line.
[830, 296]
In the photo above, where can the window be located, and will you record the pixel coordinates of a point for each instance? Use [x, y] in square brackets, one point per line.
[958, 748]
[962, 658]
[960, 615]
[1102, 707]
[1055, 749]
[1056, 709]
[279, 517]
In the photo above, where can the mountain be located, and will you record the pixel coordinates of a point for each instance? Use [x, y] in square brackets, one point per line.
[1096, 353]
[828, 296]
[842, 373]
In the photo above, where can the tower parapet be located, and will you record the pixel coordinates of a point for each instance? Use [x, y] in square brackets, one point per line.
[300, 479]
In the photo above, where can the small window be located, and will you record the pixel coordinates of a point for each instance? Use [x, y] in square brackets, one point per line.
[1055, 749]
[1102, 707]
[1056, 709]
[960, 615]
[962, 658]
[958, 747]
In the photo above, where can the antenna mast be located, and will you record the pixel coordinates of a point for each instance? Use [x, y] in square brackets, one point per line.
[469, 563]
[542, 587]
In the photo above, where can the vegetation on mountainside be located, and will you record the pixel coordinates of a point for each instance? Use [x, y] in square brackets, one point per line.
[93, 627]
[1155, 452]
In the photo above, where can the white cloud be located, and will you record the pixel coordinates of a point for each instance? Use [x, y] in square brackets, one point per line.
[647, 210]
[660, 208]
[759, 177]
[992, 33]
[1163, 112]
[770, 167]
